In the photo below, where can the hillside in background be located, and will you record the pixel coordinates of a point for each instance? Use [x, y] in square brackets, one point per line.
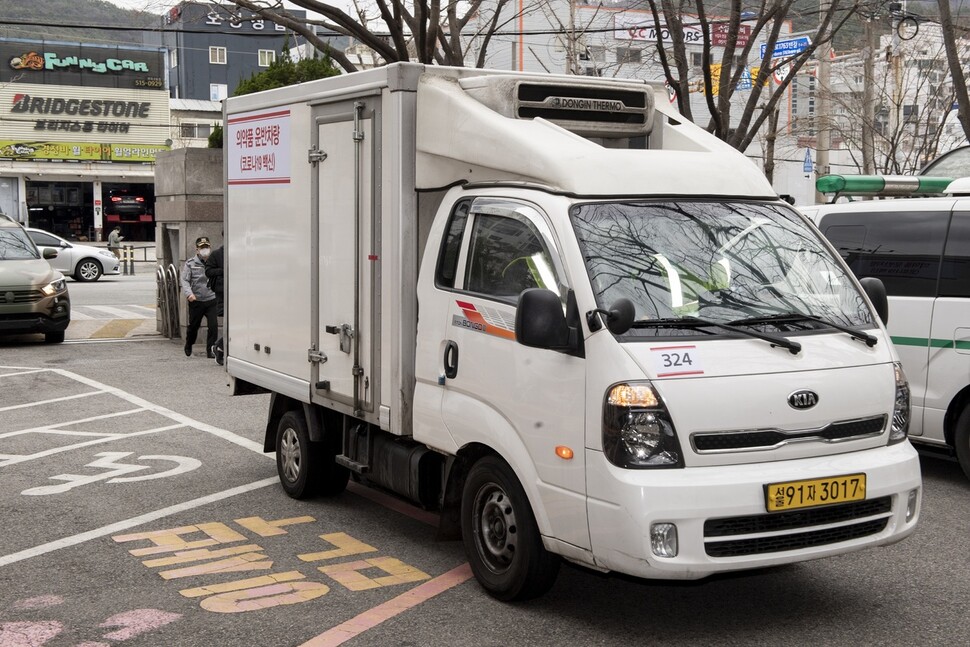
[81, 12]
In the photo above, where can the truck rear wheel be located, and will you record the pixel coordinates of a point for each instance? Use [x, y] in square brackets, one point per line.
[306, 468]
[501, 538]
[294, 456]
[961, 439]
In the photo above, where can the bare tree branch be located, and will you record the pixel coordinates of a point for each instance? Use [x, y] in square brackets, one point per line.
[956, 66]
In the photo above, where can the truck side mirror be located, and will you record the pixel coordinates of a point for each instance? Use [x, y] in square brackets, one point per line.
[49, 253]
[876, 292]
[619, 318]
[540, 321]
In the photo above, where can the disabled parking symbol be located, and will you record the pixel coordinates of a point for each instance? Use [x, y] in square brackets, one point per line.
[116, 470]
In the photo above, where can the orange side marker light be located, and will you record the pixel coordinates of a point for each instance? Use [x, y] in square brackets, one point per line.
[564, 452]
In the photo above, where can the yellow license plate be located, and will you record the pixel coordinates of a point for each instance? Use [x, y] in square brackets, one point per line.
[815, 492]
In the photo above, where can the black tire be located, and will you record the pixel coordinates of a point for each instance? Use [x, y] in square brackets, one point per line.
[54, 337]
[961, 440]
[500, 534]
[294, 456]
[306, 468]
[88, 270]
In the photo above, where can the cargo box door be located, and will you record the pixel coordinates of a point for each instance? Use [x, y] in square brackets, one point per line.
[344, 167]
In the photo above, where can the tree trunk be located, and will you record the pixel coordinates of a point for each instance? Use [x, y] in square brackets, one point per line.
[956, 66]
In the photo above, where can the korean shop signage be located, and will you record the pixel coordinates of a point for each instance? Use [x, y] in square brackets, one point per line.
[77, 64]
[79, 151]
[75, 115]
[219, 18]
[40, 105]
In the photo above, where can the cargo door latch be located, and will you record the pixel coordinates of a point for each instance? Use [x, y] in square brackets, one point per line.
[346, 332]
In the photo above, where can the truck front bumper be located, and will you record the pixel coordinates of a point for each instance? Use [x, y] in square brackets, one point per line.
[721, 519]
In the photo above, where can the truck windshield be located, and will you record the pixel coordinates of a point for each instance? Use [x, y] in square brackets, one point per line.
[739, 263]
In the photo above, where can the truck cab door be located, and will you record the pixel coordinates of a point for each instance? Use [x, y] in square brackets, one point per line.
[522, 402]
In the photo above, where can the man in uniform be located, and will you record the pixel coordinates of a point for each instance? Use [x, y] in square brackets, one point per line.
[202, 300]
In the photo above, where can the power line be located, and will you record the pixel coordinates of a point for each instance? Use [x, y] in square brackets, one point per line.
[648, 23]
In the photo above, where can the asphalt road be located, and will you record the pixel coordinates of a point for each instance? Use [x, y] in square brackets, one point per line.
[138, 509]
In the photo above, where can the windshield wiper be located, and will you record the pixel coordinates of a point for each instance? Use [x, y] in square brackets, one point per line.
[693, 322]
[795, 317]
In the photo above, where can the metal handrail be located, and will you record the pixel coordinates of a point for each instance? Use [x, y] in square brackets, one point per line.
[167, 280]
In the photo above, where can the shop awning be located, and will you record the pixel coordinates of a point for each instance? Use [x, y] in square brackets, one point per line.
[78, 171]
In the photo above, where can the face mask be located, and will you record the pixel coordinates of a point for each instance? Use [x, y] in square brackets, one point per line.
[204, 252]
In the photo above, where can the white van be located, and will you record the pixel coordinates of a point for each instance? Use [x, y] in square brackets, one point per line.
[920, 249]
[576, 324]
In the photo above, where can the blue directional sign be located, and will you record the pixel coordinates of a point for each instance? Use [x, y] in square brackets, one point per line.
[788, 48]
[807, 165]
[744, 83]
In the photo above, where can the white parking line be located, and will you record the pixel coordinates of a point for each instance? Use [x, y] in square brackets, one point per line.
[80, 538]
[66, 423]
[43, 402]
[143, 405]
[21, 370]
[66, 448]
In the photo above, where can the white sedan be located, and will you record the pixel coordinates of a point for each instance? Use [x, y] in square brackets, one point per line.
[81, 262]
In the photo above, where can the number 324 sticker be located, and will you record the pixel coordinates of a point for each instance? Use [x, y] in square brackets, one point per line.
[669, 361]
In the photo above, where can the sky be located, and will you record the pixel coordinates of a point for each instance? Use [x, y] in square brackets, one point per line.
[154, 6]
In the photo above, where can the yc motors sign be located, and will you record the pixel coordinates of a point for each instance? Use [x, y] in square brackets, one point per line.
[641, 26]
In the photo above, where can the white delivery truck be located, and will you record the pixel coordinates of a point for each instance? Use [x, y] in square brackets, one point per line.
[578, 325]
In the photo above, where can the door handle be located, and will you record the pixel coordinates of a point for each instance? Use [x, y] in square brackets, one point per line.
[451, 360]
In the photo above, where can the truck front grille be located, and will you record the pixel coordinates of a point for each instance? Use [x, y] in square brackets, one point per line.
[710, 442]
[772, 533]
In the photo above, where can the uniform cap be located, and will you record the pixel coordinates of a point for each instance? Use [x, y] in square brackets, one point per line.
[202, 241]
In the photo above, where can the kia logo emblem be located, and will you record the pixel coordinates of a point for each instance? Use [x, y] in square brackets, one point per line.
[803, 399]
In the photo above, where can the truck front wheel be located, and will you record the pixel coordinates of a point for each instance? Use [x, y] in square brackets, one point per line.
[294, 456]
[500, 534]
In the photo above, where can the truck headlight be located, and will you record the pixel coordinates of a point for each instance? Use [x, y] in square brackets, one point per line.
[54, 287]
[637, 430]
[901, 410]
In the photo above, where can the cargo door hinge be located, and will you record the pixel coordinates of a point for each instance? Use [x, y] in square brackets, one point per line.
[315, 155]
[315, 356]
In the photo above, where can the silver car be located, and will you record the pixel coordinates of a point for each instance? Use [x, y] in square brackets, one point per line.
[81, 262]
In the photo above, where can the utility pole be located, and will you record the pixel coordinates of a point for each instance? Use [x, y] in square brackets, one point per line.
[868, 99]
[895, 10]
[571, 51]
[823, 116]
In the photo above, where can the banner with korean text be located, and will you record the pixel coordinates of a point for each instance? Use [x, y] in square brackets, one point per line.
[258, 146]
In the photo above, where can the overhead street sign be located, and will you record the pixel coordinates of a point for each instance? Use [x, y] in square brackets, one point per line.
[787, 48]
